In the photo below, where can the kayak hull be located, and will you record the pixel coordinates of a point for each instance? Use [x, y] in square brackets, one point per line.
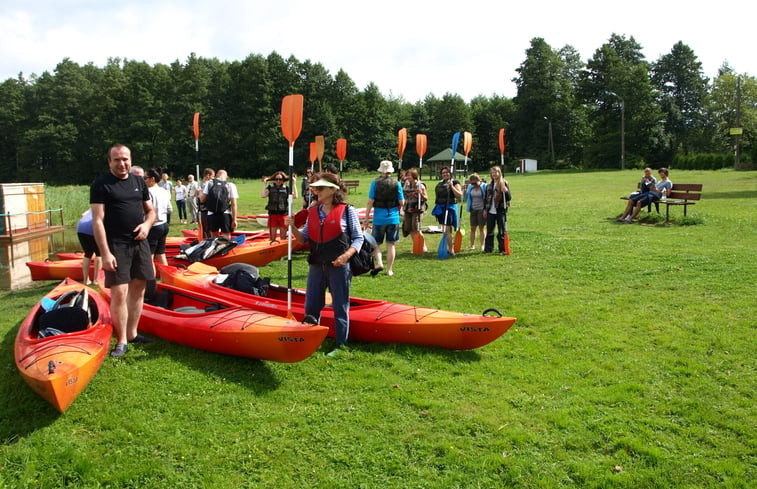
[370, 320]
[59, 367]
[230, 329]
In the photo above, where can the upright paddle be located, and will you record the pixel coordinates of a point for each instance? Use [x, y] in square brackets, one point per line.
[196, 129]
[442, 252]
[419, 242]
[401, 143]
[421, 143]
[502, 165]
[312, 156]
[320, 146]
[467, 143]
[341, 152]
[291, 125]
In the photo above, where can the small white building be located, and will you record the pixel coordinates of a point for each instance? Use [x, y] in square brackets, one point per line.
[526, 165]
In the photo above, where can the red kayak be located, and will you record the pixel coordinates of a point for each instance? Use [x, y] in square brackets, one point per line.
[63, 341]
[370, 320]
[213, 324]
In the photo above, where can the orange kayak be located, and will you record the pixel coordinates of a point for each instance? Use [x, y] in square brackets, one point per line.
[57, 269]
[60, 366]
[213, 324]
[370, 320]
[258, 252]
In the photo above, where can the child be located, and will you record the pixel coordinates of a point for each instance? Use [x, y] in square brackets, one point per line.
[647, 182]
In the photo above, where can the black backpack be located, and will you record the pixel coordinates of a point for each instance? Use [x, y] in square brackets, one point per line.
[362, 261]
[244, 278]
[217, 200]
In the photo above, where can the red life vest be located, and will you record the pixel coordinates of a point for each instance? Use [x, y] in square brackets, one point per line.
[327, 239]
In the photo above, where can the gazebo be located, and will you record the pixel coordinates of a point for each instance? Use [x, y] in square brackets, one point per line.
[433, 165]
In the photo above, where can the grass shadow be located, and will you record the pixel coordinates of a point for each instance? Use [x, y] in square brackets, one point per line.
[411, 351]
[250, 373]
[22, 411]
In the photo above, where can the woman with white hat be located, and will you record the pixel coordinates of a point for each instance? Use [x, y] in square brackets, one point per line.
[333, 231]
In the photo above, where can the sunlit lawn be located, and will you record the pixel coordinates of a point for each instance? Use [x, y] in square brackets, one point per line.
[632, 364]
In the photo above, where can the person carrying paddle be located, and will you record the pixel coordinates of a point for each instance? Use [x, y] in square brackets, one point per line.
[385, 197]
[448, 191]
[333, 231]
[416, 202]
[278, 206]
[496, 203]
[122, 215]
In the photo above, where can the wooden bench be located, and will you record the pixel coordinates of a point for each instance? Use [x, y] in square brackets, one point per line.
[681, 194]
[351, 184]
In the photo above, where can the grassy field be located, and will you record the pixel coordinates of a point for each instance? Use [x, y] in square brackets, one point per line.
[630, 365]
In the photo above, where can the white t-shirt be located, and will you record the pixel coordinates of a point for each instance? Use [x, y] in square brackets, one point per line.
[161, 201]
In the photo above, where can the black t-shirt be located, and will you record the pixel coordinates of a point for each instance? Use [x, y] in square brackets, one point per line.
[123, 201]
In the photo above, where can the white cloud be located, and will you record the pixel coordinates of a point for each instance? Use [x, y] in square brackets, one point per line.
[410, 49]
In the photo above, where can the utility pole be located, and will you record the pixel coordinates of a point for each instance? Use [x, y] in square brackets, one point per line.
[550, 142]
[622, 130]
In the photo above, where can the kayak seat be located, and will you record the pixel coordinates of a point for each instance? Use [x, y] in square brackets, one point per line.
[65, 319]
[162, 299]
[189, 310]
[214, 307]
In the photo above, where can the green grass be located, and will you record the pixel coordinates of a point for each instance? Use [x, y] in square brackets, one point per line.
[634, 348]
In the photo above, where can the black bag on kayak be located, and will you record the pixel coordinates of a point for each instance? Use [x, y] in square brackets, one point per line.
[244, 278]
[202, 250]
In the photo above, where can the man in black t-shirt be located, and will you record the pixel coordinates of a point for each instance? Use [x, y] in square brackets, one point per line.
[122, 215]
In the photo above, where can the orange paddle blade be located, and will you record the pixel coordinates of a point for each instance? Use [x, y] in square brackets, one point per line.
[319, 147]
[420, 144]
[196, 126]
[419, 242]
[467, 142]
[312, 153]
[341, 148]
[507, 243]
[458, 244]
[502, 141]
[291, 117]
[402, 141]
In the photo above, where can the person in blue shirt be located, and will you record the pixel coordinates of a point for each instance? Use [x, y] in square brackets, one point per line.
[385, 198]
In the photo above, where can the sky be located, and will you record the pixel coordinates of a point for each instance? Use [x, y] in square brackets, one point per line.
[409, 49]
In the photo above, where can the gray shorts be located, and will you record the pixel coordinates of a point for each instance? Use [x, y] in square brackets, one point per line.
[477, 218]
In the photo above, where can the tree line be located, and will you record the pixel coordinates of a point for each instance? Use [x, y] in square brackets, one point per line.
[56, 127]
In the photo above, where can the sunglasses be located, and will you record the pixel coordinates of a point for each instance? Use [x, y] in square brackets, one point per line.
[278, 179]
